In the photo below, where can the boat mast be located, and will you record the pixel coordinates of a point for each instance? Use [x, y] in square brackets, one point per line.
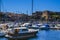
[0, 5]
[32, 9]
[32, 6]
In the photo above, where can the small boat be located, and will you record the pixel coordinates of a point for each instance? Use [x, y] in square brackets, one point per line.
[2, 30]
[21, 32]
[45, 27]
[26, 24]
[58, 25]
[33, 27]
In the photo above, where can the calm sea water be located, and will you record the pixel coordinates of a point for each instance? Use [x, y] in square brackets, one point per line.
[44, 35]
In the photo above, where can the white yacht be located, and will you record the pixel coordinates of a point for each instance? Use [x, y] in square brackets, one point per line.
[21, 32]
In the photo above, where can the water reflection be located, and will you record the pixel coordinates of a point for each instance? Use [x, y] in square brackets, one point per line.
[3, 38]
[48, 35]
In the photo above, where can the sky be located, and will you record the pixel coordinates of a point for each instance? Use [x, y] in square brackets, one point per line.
[24, 6]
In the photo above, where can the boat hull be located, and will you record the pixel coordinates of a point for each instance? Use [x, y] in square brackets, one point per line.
[33, 27]
[22, 35]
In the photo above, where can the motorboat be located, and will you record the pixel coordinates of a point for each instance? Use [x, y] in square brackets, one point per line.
[33, 27]
[36, 26]
[26, 24]
[21, 32]
[58, 25]
[3, 30]
[44, 27]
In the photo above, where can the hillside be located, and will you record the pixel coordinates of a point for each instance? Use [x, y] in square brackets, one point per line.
[38, 15]
[12, 16]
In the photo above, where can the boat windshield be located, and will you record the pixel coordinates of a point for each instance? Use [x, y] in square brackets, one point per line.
[23, 30]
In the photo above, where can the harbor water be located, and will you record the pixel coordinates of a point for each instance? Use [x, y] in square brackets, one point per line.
[43, 35]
